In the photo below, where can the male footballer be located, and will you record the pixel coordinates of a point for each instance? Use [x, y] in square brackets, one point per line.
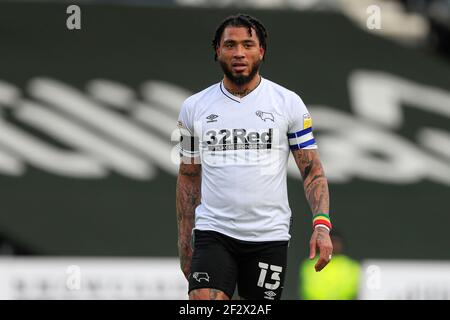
[232, 204]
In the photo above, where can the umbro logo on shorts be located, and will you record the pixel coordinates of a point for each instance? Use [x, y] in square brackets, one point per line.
[269, 295]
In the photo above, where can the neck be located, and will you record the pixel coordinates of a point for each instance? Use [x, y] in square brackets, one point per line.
[243, 90]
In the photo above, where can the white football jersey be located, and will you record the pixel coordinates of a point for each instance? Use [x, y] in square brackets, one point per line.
[243, 145]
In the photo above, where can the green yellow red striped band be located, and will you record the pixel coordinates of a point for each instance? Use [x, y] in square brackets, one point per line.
[323, 219]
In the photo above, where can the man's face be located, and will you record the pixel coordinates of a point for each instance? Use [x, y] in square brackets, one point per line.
[239, 54]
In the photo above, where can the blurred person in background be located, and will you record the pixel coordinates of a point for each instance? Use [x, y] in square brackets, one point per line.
[232, 205]
[339, 281]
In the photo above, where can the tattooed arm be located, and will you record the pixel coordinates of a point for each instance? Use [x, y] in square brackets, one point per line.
[316, 191]
[187, 199]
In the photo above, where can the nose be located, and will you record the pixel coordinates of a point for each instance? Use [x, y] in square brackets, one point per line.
[238, 52]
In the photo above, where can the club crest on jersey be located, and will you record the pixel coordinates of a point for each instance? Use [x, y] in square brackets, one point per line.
[212, 118]
[265, 115]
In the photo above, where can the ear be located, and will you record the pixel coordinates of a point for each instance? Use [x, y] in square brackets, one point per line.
[218, 50]
[261, 52]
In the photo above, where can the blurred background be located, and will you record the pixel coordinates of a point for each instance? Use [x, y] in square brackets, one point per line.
[89, 98]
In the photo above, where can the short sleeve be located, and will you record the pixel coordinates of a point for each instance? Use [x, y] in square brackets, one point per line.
[300, 130]
[189, 145]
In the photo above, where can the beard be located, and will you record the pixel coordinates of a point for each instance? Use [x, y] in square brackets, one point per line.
[240, 79]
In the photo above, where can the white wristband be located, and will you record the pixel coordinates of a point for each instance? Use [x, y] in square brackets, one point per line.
[323, 226]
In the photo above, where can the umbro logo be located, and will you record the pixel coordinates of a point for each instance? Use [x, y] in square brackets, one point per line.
[212, 117]
[265, 115]
[270, 295]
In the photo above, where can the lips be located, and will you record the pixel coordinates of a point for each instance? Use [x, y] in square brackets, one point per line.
[239, 66]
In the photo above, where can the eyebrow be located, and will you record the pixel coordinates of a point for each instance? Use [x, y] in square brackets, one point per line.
[234, 41]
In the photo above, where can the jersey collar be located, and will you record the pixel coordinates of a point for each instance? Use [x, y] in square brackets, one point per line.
[237, 99]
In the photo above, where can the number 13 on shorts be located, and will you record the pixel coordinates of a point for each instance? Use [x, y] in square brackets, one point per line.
[275, 276]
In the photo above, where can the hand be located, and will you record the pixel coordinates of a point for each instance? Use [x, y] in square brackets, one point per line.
[185, 252]
[186, 267]
[321, 239]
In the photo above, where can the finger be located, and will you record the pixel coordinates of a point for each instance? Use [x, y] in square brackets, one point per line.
[312, 249]
[321, 263]
[325, 257]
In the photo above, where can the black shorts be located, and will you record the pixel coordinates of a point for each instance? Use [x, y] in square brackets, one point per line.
[221, 262]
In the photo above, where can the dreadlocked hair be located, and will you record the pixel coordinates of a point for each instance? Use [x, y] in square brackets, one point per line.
[241, 20]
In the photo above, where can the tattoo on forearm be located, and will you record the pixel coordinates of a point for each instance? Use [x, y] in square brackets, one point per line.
[187, 199]
[307, 170]
[314, 181]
